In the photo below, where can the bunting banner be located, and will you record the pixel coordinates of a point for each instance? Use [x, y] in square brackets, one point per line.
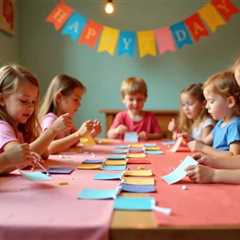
[84, 31]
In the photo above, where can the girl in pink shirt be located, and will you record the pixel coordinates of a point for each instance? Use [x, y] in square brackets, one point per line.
[19, 98]
[63, 96]
[134, 95]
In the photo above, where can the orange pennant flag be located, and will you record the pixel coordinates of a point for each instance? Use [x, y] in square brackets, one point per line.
[59, 15]
[91, 33]
[211, 16]
[225, 8]
[196, 27]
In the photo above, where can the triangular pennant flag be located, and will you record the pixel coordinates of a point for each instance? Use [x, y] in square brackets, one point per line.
[196, 27]
[225, 8]
[211, 16]
[127, 43]
[108, 40]
[165, 40]
[146, 43]
[90, 34]
[74, 26]
[181, 35]
[59, 15]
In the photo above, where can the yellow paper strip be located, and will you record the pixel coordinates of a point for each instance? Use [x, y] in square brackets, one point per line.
[136, 155]
[115, 162]
[139, 180]
[89, 166]
[140, 173]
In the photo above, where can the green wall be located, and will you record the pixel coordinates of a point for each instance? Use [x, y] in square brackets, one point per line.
[9, 44]
[46, 52]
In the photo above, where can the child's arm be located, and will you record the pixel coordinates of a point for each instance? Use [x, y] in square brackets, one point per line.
[116, 132]
[207, 136]
[15, 156]
[197, 146]
[204, 174]
[40, 145]
[63, 144]
[226, 162]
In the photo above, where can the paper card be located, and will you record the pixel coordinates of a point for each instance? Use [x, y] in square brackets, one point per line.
[154, 152]
[92, 161]
[177, 145]
[168, 142]
[138, 161]
[120, 151]
[139, 180]
[136, 145]
[89, 166]
[136, 150]
[150, 145]
[136, 155]
[114, 168]
[128, 203]
[108, 176]
[115, 162]
[179, 173]
[35, 176]
[138, 188]
[152, 148]
[59, 170]
[131, 137]
[139, 173]
[121, 147]
[117, 157]
[87, 140]
[90, 193]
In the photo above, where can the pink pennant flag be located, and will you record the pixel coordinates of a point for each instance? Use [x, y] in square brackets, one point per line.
[165, 41]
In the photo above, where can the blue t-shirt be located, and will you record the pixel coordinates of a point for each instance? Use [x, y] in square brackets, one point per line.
[225, 135]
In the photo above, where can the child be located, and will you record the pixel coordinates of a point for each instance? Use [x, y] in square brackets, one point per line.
[134, 94]
[64, 96]
[194, 121]
[236, 69]
[223, 103]
[18, 156]
[19, 97]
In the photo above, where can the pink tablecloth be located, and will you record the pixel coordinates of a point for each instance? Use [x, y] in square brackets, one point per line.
[42, 211]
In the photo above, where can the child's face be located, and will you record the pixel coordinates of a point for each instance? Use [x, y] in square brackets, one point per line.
[20, 105]
[216, 104]
[191, 107]
[71, 102]
[134, 102]
[237, 73]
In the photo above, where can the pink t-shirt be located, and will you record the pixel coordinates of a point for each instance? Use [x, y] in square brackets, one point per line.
[7, 135]
[48, 120]
[148, 124]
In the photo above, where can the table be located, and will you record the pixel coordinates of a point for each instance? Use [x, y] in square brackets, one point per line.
[124, 225]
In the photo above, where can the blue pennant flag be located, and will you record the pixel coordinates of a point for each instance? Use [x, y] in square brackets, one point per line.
[127, 43]
[74, 26]
[181, 34]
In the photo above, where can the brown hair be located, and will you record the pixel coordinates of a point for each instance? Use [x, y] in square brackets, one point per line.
[134, 85]
[184, 124]
[11, 76]
[225, 84]
[60, 84]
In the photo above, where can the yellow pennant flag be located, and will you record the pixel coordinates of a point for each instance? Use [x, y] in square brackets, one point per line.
[108, 40]
[211, 16]
[146, 43]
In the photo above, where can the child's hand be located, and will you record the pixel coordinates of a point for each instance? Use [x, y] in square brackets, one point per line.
[121, 129]
[96, 128]
[200, 174]
[62, 123]
[172, 125]
[203, 159]
[195, 146]
[143, 135]
[19, 155]
[86, 127]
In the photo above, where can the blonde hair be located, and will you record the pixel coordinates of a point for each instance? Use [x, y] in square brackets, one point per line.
[133, 85]
[224, 84]
[184, 124]
[60, 84]
[11, 76]
[235, 64]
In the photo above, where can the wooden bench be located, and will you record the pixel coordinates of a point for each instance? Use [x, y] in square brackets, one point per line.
[163, 116]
